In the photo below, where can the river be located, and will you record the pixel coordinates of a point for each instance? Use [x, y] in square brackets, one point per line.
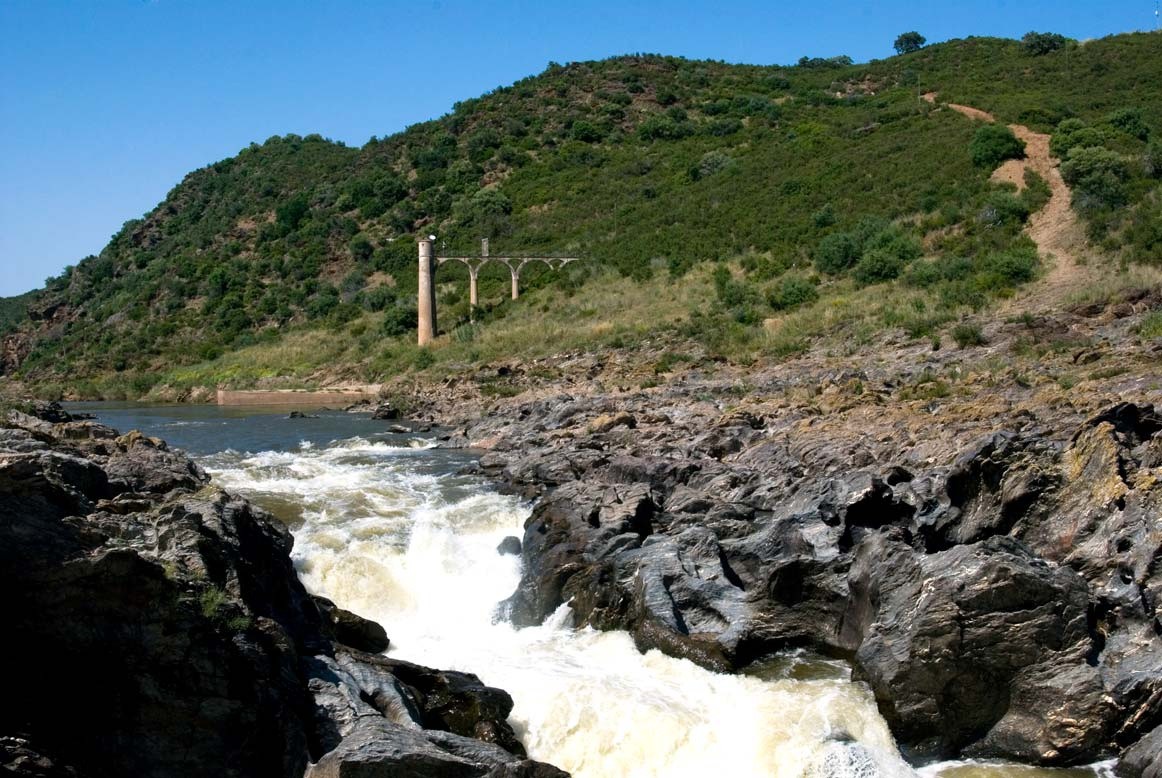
[386, 525]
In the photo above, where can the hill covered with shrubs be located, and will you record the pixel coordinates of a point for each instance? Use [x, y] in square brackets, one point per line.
[759, 190]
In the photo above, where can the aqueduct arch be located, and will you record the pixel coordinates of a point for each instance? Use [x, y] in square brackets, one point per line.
[429, 262]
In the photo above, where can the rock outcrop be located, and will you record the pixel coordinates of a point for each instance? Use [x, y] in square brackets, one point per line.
[997, 589]
[156, 627]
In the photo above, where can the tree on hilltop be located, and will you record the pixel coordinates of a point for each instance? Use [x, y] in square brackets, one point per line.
[909, 41]
[1039, 43]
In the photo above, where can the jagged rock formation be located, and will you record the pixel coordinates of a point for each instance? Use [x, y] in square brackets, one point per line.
[998, 590]
[156, 627]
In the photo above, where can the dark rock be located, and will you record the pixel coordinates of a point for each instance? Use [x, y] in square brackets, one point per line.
[350, 629]
[376, 748]
[1144, 759]
[176, 609]
[964, 646]
[301, 415]
[999, 592]
[385, 412]
[510, 545]
[53, 412]
[144, 464]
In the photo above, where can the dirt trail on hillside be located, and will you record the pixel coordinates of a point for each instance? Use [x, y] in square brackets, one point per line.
[1055, 228]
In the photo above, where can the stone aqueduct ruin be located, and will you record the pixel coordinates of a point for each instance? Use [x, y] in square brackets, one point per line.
[429, 262]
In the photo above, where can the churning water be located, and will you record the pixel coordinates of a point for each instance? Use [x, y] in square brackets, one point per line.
[385, 527]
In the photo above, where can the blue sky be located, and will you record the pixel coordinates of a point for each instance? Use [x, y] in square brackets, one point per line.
[104, 106]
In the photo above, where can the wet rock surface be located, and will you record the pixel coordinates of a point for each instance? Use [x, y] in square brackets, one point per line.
[990, 566]
[159, 629]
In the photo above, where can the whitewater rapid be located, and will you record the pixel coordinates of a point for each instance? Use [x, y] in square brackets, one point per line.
[393, 536]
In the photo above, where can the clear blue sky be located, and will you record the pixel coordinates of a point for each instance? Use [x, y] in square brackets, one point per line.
[104, 106]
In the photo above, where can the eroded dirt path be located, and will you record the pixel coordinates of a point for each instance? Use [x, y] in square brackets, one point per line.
[1055, 228]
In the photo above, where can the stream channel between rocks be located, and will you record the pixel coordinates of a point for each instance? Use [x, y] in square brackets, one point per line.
[386, 526]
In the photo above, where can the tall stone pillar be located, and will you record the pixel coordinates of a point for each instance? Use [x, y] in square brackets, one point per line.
[426, 304]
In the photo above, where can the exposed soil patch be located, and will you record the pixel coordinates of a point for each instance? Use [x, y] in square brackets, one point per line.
[1055, 228]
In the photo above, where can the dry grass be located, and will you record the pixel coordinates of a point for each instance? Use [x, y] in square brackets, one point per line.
[1113, 285]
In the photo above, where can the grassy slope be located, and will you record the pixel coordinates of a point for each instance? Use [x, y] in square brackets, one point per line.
[287, 259]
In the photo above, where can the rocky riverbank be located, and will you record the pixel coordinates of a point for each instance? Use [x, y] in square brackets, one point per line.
[156, 627]
[985, 555]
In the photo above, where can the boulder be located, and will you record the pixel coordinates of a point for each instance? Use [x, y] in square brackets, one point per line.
[351, 630]
[386, 412]
[1143, 759]
[510, 545]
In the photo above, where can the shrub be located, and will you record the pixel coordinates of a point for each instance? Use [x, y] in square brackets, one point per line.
[893, 240]
[399, 320]
[1097, 176]
[361, 248]
[720, 128]
[713, 162]
[824, 217]
[482, 144]
[1003, 208]
[1002, 270]
[1129, 121]
[1040, 43]
[836, 253]
[586, 132]
[876, 265]
[967, 335]
[290, 214]
[1074, 132]
[664, 128]
[791, 292]
[994, 143]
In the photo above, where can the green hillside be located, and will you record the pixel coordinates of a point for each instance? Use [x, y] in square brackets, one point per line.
[752, 190]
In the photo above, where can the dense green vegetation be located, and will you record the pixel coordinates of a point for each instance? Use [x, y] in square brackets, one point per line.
[806, 178]
[14, 310]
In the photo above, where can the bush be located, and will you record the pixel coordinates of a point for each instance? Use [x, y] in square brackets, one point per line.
[836, 253]
[712, 162]
[1129, 121]
[1002, 270]
[361, 248]
[1097, 176]
[893, 240]
[1074, 132]
[824, 217]
[399, 320]
[720, 128]
[1040, 43]
[664, 128]
[1002, 208]
[877, 265]
[993, 144]
[967, 335]
[791, 292]
[586, 132]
